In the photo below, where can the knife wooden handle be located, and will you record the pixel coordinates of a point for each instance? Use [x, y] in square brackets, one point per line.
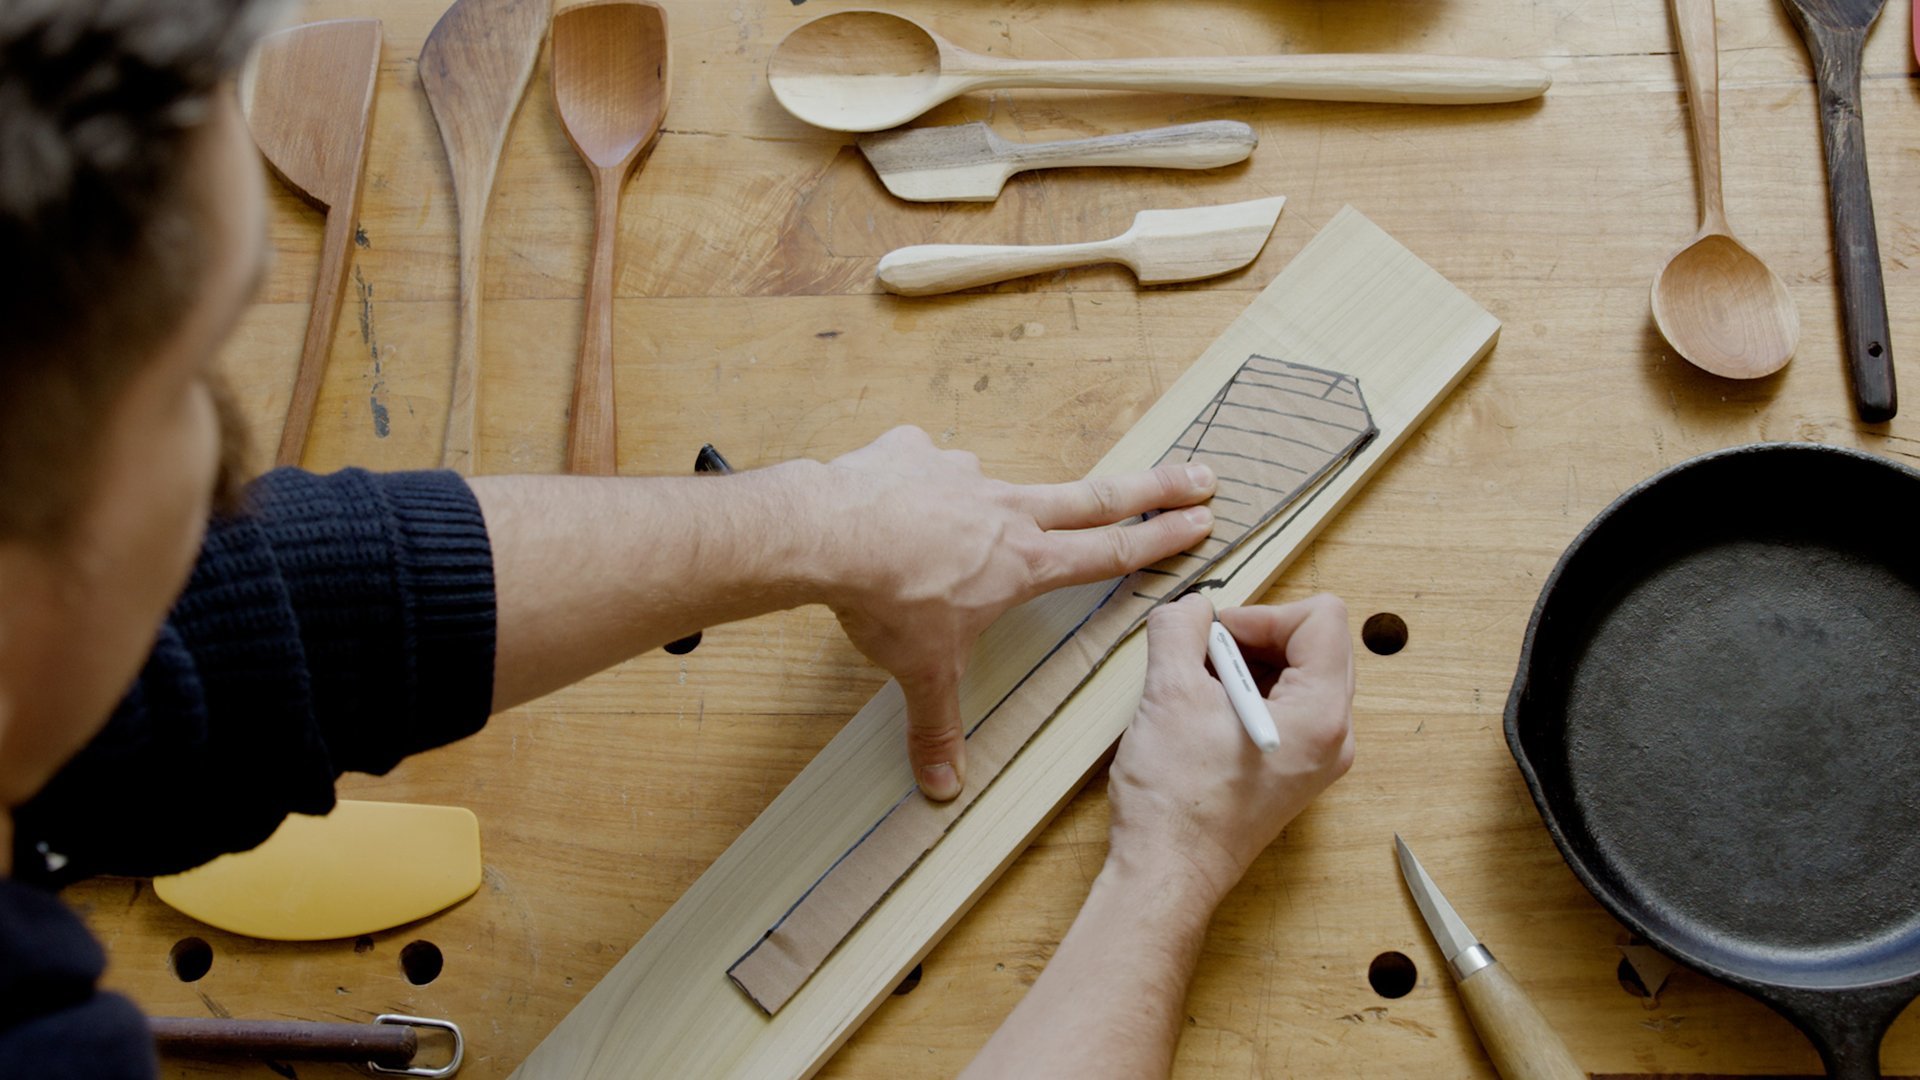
[1521, 1043]
[1205, 145]
[389, 1045]
[925, 269]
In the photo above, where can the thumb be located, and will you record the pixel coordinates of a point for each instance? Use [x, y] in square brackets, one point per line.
[936, 747]
[1177, 638]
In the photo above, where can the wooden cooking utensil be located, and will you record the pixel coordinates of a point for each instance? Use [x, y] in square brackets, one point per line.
[610, 86]
[969, 163]
[870, 70]
[1162, 246]
[474, 67]
[1717, 304]
[307, 94]
[1836, 33]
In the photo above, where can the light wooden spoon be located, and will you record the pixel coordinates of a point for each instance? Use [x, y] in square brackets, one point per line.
[1715, 302]
[870, 70]
[610, 87]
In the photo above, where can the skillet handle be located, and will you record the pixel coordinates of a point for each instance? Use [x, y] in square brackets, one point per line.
[1853, 1052]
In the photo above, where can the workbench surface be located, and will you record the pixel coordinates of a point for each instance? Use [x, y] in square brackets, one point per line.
[748, 317]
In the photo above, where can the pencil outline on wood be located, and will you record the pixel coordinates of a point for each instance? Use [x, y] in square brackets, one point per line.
[841, 898]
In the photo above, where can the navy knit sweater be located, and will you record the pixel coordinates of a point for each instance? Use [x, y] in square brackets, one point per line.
[340, 624]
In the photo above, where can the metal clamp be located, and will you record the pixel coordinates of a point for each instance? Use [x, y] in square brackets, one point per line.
[1471, 959]
[451, 1067]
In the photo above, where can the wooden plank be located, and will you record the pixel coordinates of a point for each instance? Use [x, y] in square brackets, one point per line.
[1354, 300]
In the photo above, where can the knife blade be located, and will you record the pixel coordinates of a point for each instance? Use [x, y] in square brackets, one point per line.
[969, 163]
[1518, 1039]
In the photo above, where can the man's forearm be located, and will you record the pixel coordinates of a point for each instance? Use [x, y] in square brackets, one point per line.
[1109, 1002]
[591, 571]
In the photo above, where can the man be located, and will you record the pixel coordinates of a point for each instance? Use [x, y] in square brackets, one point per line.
[170, 689]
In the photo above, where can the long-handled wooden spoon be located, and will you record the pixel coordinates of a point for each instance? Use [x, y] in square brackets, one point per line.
[1836, 33]
[610, 86]
[307, 94]
[869, 70]
[475, 67]
[1716, 302]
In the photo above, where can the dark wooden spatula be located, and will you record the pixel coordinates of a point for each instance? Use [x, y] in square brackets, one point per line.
[1836, 33]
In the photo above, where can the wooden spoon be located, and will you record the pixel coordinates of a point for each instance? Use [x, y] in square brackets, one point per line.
[475, 67]
[1717, 304]
[1836, 33]
[869, 70]
[610, 87]
[307, 94]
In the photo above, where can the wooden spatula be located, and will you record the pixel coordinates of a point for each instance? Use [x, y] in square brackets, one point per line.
[475, 67]
[1836, 34]
[969, 163]
[307, 94]
[1162, 246]
[610, 87]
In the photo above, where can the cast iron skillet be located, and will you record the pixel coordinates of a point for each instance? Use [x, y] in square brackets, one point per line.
[1718, 713]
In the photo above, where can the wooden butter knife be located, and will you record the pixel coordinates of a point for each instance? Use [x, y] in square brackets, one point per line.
[1162, 246]
[969, 163]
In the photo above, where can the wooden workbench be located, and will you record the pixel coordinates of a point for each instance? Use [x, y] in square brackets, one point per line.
[748, 317]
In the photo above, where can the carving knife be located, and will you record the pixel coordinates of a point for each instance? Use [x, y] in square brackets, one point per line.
[1517, 1038]
[969, 163]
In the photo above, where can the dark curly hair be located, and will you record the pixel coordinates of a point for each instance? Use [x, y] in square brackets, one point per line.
[101, 102]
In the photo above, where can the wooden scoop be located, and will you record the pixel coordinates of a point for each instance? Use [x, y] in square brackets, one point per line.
[1836, 33]
[307, 94]
[610, 87]
[1162, 246]
[870, 70]
[1717, 304]
[474, 67]
[969, 163]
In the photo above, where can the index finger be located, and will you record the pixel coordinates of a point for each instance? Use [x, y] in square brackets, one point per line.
[1103, 500]
[1308, 634]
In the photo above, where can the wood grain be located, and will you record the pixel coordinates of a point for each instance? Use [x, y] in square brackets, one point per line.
[751, 241]
[474, 69]
[307, 94]
[1520, 1042]
[1160, 247]
[610, 88]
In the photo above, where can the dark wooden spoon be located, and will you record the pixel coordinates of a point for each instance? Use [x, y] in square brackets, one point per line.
[1836, 33]
[610, 85]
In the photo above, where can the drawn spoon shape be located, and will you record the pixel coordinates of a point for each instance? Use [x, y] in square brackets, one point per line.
[610, 89]
[871, 70]
[1714, 300]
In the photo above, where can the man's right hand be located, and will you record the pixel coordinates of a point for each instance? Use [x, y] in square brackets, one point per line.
[1191, 794]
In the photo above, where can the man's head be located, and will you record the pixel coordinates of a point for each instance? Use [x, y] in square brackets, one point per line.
[131, 225]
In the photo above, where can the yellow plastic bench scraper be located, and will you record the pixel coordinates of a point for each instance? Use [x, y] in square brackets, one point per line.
[366, 867]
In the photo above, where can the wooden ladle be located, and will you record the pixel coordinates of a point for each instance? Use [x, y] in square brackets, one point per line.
[871, 70]
[1716, 303]
[610, 86]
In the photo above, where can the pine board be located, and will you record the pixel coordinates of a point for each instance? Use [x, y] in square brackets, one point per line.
[1354, 301]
